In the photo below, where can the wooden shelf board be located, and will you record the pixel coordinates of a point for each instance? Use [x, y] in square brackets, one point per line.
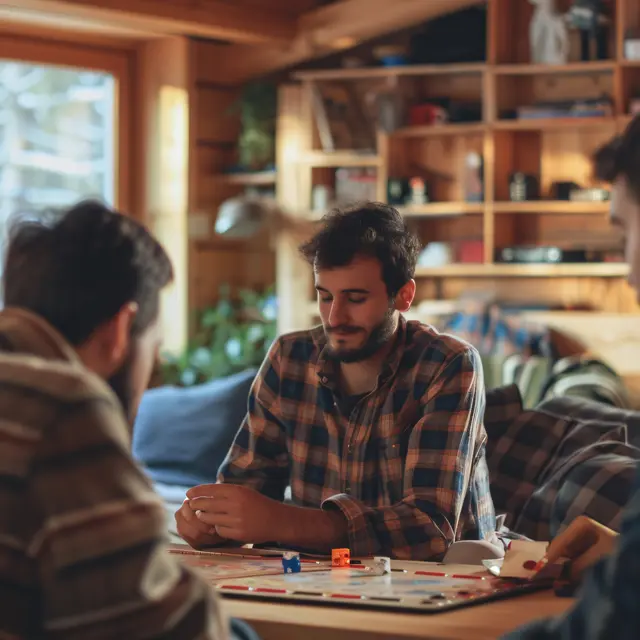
[561, 207]
[599, 66]
[440, 209]
[577, 270]
[341, 159]
[542, 124]
[259, 178]
[453, 129]
[363, 73]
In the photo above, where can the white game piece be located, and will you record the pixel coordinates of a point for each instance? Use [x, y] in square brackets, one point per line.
[382, 565]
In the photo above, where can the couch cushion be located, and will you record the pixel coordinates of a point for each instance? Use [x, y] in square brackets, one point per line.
[182, 435]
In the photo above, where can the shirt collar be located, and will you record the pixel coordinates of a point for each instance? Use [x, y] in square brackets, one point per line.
[27, 332]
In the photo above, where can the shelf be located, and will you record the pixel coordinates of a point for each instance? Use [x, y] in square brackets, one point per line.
[340, 159]
[542, 124]
[573, 270]
[599, 66]
[453, 129]
[440, 209]
[259, 178]
[560, 207]
[364, 73]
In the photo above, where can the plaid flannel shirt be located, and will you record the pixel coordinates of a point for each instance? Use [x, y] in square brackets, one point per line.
[83, 550]
[407, 468]
[566, 457]
[607, 605]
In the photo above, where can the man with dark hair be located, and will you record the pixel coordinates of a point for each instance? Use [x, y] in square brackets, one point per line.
[82, 534]
[375, 423]
[607, 606]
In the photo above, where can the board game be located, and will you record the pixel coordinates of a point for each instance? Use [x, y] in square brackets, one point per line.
[410, 586]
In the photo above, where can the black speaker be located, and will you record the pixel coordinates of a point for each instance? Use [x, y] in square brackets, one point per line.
[455, 37]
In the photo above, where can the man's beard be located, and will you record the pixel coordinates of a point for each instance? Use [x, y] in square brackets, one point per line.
[378, 337]
[121, 384]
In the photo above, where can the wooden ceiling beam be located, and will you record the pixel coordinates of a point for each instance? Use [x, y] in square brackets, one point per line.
[213, 19]
[348, 22]
[327, 30]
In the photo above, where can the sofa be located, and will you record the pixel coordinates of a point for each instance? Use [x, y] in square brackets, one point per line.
[182, 435]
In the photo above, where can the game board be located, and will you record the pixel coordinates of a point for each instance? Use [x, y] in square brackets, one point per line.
[427, 591]
[431, 588]
[424, 587]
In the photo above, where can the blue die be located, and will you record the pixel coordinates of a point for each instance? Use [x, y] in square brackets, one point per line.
[291, 562]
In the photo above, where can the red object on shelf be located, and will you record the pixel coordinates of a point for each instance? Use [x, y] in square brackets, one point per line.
[470, 251]
[424, 114]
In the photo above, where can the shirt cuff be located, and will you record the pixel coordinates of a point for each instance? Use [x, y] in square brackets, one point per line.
[362, 538]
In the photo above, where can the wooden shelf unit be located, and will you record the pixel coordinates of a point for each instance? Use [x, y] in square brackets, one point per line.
[252, 179]
[552, 149]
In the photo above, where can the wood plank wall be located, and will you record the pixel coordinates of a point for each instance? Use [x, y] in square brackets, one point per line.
[213, 260]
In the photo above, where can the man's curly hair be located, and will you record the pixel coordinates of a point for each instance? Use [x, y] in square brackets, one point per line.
[370, 229]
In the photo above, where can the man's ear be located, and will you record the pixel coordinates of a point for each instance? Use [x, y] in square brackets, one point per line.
[405, 296]
[115, 335]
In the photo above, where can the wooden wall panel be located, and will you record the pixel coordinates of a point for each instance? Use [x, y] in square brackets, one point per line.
[213, 260]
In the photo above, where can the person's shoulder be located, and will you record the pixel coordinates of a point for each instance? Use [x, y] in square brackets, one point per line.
[57, 381]
[58, 401]
[429, 342]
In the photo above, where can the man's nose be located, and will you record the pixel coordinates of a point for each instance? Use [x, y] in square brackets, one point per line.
[337, 315]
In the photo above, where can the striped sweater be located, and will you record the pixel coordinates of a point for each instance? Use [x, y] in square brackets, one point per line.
[82, 534]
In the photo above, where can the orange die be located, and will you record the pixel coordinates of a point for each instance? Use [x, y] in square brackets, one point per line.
[340, 557]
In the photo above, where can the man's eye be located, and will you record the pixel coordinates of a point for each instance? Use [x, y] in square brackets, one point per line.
[325, 299]
[357, 300]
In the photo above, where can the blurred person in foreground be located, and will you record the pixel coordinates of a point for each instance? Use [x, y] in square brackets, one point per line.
[82, 534]
[607, 564]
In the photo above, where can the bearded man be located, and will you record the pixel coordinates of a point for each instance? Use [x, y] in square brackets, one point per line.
[374, 422]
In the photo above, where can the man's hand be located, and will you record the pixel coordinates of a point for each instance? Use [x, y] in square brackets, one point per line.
[584, 542]
[196, 533]
[236, 513]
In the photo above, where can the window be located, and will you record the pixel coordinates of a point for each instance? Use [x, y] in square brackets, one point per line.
[56, 136]
[65, 124]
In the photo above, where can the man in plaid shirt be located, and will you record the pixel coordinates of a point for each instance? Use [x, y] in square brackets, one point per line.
[607, 606]
[375, 423]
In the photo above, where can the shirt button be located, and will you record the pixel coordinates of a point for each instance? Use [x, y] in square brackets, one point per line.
[350, 448]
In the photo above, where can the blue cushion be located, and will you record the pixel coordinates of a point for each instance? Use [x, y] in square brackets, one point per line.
[182, 435]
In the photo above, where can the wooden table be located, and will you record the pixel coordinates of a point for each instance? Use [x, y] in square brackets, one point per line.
[480, 622]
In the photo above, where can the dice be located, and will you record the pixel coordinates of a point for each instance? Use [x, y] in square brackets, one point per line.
[291, 562]
[381, 565]
[340, 558]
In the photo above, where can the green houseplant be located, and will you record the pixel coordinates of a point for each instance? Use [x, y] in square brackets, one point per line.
[257, 106]
[231, 336]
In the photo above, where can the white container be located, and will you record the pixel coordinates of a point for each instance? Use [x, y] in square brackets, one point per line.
[632, 49]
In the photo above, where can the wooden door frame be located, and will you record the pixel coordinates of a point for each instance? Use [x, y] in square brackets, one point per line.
[116, 61]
